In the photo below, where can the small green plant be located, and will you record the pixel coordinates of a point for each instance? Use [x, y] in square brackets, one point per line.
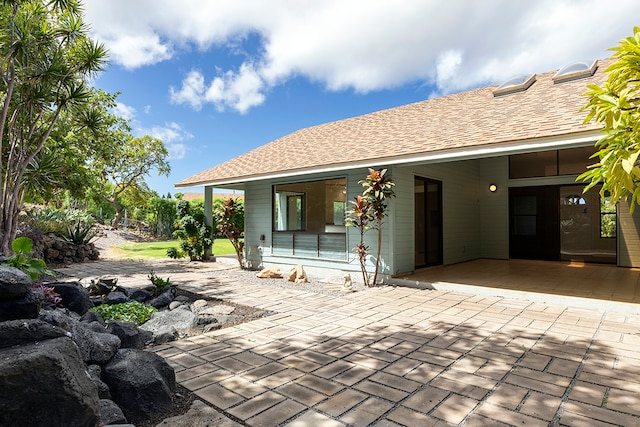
[133, 311]
[34, 267]
[174, 253]
[80, 233]
[159, 284]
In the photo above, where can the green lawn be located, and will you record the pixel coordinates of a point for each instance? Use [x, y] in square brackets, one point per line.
[158, 249]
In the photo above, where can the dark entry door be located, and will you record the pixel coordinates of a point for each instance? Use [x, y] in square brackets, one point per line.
[534, 226]
[428, 222]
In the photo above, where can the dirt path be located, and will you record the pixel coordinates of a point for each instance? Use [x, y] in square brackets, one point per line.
[110, 240]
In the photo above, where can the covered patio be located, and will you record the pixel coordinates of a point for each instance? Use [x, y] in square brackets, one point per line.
[601, 286]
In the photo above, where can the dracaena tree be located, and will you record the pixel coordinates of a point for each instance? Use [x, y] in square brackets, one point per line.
[368, 212]
[616, 104]
[46, 60]
[359, 217]
[230, 222]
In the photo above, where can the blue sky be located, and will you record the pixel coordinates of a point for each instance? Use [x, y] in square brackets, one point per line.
[214, 79]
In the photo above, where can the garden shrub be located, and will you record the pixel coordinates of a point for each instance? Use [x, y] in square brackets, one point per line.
[196, 238]
[133, 311]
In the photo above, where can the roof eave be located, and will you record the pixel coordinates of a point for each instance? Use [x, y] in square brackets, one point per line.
[502, 148]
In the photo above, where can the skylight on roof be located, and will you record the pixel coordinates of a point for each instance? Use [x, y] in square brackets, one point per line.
[513, 84]
[576, 70]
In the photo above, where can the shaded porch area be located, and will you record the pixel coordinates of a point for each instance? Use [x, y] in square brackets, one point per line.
[599, 286]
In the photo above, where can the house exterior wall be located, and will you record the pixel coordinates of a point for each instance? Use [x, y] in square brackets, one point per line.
[475, 220]
[628, 236]
[257, 218]
[494, 208]
[461, 197]
[258, 222]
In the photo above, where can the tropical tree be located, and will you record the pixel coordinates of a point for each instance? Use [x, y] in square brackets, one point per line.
[125, 166]
[359, 216]
[46, 59]
[368, 212]
[378, 188]
[616, 104]
[230, 222]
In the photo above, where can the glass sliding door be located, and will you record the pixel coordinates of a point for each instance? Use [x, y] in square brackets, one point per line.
[587, 226]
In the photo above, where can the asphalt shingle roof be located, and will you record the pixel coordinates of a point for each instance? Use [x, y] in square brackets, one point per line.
[470, 119]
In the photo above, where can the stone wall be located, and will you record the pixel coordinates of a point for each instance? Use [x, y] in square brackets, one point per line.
[55, 250]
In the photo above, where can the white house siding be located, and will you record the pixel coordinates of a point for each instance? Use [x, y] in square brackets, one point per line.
[461, 211]
[461, 202]
[494, 208]
[402, 220]
[257, 216]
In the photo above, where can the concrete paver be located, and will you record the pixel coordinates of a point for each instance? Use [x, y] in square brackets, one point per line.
[390, 356]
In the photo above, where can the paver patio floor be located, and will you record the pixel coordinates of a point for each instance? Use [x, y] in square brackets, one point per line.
[390, 356]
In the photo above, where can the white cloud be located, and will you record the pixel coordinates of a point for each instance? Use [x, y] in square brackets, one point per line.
[345, 46]
[239, 91]
[447, 66]
[134, 51]
[176, 151]
[170, 132]
[125, 111]
[172, 135]
[191, 92]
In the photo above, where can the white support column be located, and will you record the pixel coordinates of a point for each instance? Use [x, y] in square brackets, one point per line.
[208, 211]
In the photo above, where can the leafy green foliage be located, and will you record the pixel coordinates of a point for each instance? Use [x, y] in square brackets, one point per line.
[162, 215]
[160, 285]
[174, 253]
[74, 225]
[617, 106]
[230, 222]
[126, 164]
[367, 212]
[34, 267]
[46, 61]
[196, 238]
[133, 311]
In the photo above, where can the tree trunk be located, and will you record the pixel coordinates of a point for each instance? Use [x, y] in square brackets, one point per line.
[375, 275]
[116, 219]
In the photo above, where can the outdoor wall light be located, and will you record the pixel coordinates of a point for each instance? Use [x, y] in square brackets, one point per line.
[493, 188]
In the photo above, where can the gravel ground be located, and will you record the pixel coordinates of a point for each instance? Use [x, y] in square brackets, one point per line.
[109, 240]
[315, 284]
